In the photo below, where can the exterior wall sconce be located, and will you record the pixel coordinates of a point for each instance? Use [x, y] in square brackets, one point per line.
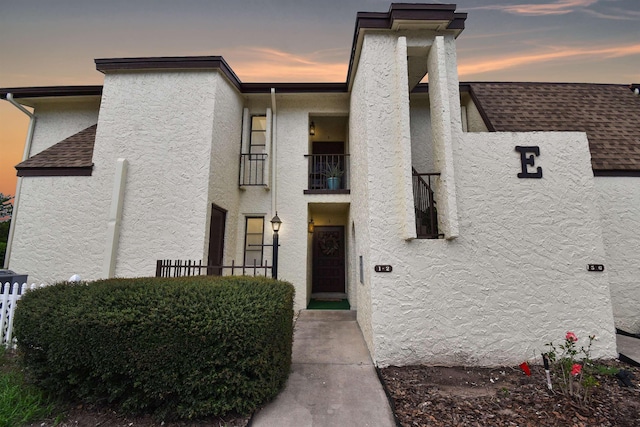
[310, 227]
[275, 226]
[312, 129]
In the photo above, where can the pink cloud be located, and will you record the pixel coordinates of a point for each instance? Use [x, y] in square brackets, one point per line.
[559, 7]
[558, 54]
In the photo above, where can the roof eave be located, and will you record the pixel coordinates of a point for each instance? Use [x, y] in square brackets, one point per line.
[30, 95]
[402, 16]
[166, 63]
[54, 171]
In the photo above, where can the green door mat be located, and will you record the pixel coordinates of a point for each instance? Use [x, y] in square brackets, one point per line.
[328, 304]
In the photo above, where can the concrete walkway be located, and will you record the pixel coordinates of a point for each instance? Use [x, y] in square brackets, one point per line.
[628, 347]
[332, 382]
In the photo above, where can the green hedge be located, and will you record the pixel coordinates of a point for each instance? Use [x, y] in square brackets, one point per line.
[178, 347]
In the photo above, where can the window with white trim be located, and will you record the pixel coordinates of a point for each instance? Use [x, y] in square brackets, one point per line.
[254, 241]
[254, 165]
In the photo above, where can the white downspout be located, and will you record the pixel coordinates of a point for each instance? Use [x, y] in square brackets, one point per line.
[274, 153]
[25, 156]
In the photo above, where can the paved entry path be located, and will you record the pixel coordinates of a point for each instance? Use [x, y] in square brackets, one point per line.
[628, 347]
[332, 382]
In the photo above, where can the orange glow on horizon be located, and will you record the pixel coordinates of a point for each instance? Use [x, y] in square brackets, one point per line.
[14, 129]
[272, 65]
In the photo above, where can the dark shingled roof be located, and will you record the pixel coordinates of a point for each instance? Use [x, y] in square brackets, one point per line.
[609, 114]
[71, 156]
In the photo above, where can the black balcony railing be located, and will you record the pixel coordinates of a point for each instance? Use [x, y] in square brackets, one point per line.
[425, 205]
[252, 169]
[328, 172]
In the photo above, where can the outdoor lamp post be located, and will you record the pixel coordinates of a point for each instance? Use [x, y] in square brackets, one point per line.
[275, 226]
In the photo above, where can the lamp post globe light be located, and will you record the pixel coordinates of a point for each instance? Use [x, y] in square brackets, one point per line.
[275, 226]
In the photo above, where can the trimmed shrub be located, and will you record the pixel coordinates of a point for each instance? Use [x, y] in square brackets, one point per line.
[176, 347]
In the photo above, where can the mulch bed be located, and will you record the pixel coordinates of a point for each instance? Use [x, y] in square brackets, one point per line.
[459, 396]
[447, 396]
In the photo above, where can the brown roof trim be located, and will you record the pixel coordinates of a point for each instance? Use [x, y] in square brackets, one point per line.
[169, 63]
[629, 173]
[50, 91]
[294, 87]
[48, 171]
[403, 12]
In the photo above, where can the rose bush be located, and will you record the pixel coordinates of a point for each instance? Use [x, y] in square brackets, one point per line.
[572, 367]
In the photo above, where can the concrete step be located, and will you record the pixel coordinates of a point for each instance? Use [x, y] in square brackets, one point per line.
[629, 349]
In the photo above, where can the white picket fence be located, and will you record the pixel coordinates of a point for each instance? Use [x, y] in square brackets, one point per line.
[11, 294]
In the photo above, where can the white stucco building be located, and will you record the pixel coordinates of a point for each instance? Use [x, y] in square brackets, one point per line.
[463, 228]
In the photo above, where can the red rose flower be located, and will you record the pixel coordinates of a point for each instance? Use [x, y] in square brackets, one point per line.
[571, 337]
[575, 369]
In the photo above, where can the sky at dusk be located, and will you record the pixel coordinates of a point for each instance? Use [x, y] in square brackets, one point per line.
[54, 43]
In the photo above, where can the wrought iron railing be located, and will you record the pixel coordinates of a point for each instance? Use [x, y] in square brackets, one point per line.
[252, 169]
[425, 205]
[179, 268]
[323, 168]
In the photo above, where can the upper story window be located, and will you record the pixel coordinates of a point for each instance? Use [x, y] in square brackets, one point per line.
[255, 148]
[258, 141]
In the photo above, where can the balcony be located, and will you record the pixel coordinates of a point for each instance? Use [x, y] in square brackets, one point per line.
[328, 174]
[252, 169]
[425, 205]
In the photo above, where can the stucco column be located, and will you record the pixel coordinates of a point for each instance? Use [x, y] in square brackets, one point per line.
[403, 141]
[446, 128]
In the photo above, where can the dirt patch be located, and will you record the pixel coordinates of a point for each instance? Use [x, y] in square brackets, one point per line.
[459, 396]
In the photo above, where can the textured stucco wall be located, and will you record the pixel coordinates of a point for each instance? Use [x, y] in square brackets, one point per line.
[162, 123]
[359, 213]
[446, 126]
[619, 202]
[421, 142]
[475, 122]
[515, 278]
[377, 159]
[60, 229]
[226, 136]
[60, 118]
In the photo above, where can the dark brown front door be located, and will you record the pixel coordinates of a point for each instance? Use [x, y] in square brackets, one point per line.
[216, 239]
[328, 259]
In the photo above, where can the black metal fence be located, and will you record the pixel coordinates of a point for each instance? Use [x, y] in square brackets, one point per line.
[425, 206]
[179, 268]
